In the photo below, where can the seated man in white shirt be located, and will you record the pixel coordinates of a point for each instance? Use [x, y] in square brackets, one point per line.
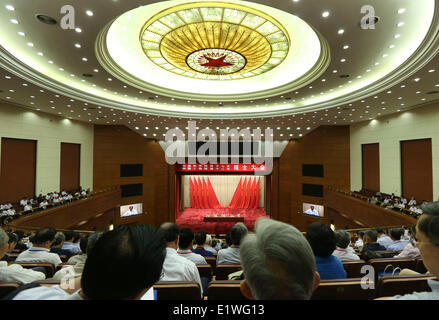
[398, 244]
[383, 239]
[412, 202]
[15, 272]
[343, 250]
[130, 212]
[312, 211]
[231, 254]
[175, 267]
[40, 250]
[185, 244]
[27, 207]
[208, 243]
[23, 202]
[123, 265]
[69, 242]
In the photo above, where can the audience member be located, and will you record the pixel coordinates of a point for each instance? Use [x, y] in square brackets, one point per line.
[175, 267]
[40, 250]
[343, 250]
[323, 243]
[208, 245]
[370, 243]
[58, 244]
[200, 241]
[427, 240]
[69, 244]
[132, 257]
[278, 263]
[231, 254]
[15, 272]
[383, 239]
[21, 246]
[411, 250]
[398, 244]
[185, 244]
[12, 242]
[359, 243]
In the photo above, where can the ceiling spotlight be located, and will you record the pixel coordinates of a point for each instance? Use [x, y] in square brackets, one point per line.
[30, 44]
[346, 47]
[325, 14]
[417, 79]
[45, 19]
[402, 10]
[400, 24]
[21, 33]
[77, 45]
[396, 36]
[89, 13]
[78, 30]
[9, 7]
[14, 21]
[341, 31]
[84, 59]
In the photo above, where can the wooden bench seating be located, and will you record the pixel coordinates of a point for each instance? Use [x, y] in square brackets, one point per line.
[223, 270]
[342, 289]
[177, 290]
[389, 286]
[225, 290]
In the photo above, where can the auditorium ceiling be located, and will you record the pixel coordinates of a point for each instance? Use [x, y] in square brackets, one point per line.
[288, 65]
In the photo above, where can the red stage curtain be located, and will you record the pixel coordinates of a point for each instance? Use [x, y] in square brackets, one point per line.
[205, 195]
[243, 195]
[213, 200]
[235, 198]
[248, 194]
[258, 186]
[199, 194]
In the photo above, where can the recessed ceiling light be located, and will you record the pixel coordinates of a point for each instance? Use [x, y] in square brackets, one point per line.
[9, 7]
[335, 71]
[432, 70]
[346, 47]
[77, 45]
[417, 79]
[14, 21]
[84, 59]
[341, 31]
[402, 10]
[400, 24]
[40, 54]
[78, 30]
[396, 36]
[21, 34]
[325, 14]
[391, 46]
[89, 13]
[343, 60]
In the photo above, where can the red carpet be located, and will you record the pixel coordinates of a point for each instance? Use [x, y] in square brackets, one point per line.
[193, 219]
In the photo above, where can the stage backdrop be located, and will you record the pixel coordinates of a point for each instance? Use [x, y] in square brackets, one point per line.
[224, 187]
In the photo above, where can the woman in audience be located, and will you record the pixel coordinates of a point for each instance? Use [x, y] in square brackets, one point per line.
[344, 251]
[411, 250]
[15, 272]
[323, 243]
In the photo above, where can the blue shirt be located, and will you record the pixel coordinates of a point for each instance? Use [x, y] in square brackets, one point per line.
[398, 245]
[71, 247]
[330, 268]
[203, 252]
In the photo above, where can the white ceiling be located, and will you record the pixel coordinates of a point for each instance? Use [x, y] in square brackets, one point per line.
[28, 79]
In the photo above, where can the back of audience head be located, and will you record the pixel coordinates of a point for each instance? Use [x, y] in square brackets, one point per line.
[59, 240]
[44, 237]
[69, 235]
[200, 238]
[379, 230]
[171, 233]
[371, 236]
[186, 239]
[396, 233]
[321, 238]
[4, 243]
[360, 234]
[83, 244]
[342, 239]
[133, 256]
[91, 241]
[427, 236]
[237, 233]
[278, 263]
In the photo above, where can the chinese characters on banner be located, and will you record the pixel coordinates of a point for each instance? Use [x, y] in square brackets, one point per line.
[240, 167]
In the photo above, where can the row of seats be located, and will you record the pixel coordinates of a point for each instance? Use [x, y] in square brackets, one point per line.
[341, 289]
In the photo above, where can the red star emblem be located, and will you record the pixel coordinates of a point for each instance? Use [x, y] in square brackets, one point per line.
[216, 63]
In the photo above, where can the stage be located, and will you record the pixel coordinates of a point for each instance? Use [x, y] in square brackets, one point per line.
[194, 219]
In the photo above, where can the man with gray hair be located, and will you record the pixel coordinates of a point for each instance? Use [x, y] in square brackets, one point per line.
[343, 251]
[15, 272]
[231, 254]
[427, 240]
[278, 263]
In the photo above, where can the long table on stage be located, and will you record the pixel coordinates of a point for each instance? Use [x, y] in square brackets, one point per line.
[224, 219]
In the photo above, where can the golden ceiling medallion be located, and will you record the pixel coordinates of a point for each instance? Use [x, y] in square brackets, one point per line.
[215, 41]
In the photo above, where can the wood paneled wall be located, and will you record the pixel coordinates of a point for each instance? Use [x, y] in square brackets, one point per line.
[370, 154]
[116, 145]
[70, 166]
[17, 169]
[327, 145]
[417, 169]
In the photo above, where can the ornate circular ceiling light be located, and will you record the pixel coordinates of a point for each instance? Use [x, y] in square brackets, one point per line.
[215, 41]
[190, 50]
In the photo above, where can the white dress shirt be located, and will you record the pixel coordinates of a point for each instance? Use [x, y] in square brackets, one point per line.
[229, 256]
[47, 293]
[412, 202]
[130, 213]
[177, 268]
[209, 248]
[345, 254]
[312, 212]
[194, 257]
[27, 207]
[16, 273]
[359, 243]
[39, 255]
